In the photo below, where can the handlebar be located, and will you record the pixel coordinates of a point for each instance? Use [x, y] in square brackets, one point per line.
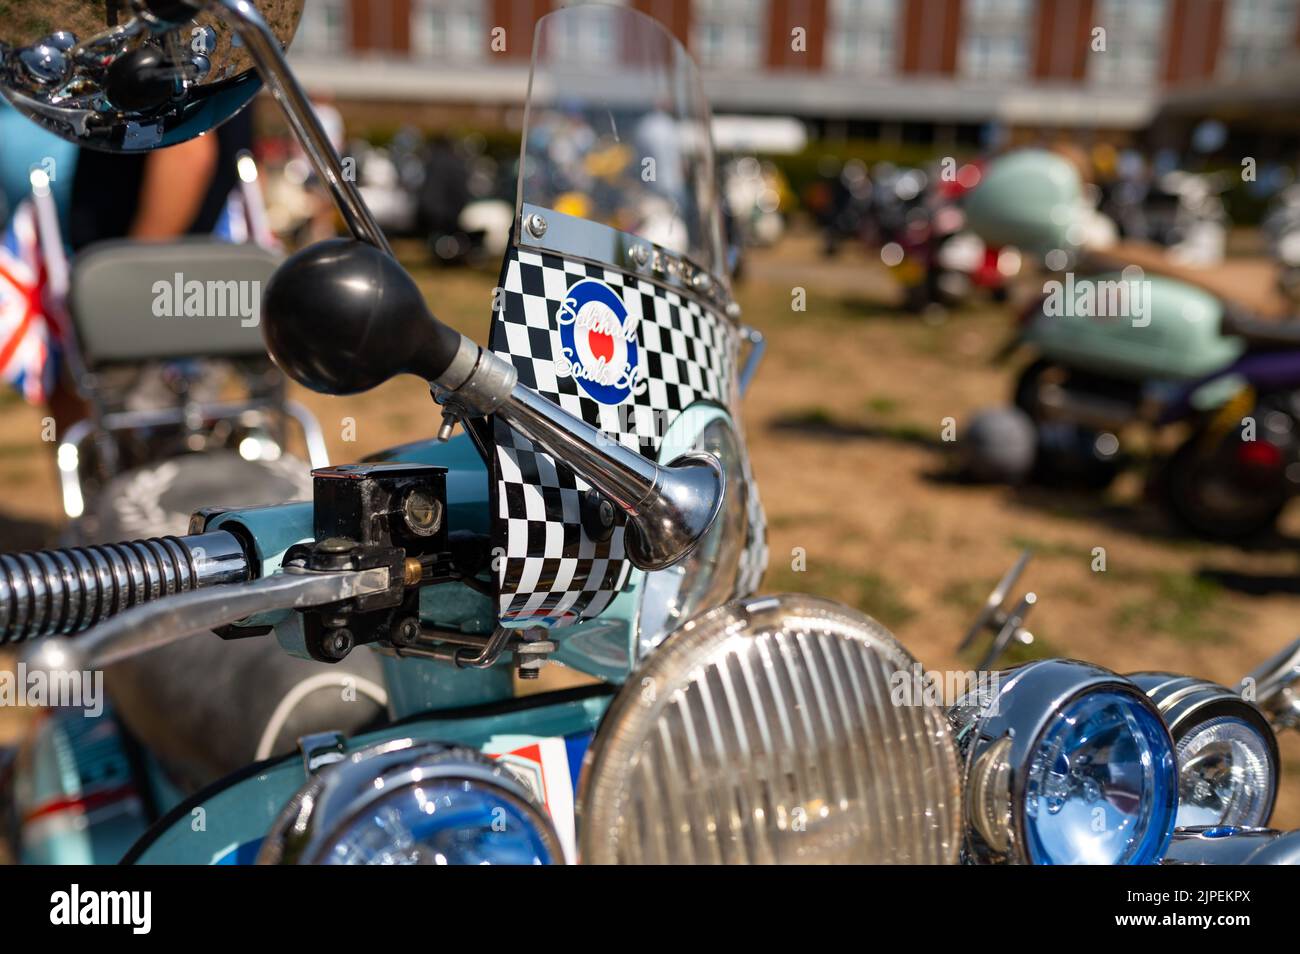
[148, 626]
[65, 591]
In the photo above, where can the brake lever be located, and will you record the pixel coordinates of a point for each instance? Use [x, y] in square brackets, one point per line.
[152, 625]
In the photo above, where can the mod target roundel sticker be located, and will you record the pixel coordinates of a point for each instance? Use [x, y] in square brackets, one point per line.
[598, 342]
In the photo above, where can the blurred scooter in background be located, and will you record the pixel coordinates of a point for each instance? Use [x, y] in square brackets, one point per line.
[1113, 349]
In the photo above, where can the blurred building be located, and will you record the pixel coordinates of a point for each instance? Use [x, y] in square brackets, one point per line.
[908, 70]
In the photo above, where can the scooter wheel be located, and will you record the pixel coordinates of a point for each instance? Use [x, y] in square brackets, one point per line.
[1025, 394]
[1214, 494]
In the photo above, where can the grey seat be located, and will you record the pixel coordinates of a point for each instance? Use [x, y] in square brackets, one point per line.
[124, 297]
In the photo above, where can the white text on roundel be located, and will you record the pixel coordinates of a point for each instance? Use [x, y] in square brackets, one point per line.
[598, 343]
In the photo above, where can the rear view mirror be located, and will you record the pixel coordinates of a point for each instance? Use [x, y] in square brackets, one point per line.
[131, 75]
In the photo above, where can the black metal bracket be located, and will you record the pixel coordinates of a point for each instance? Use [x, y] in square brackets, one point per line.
[368, 516]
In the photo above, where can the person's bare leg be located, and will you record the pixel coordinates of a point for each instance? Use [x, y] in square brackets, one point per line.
[176, 180]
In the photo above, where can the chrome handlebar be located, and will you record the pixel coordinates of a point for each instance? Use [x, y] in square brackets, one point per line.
[264, 49]
[61, 592]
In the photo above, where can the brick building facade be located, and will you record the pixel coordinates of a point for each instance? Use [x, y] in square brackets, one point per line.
[908, 68]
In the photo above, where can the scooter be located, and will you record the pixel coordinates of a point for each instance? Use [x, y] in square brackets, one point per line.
[597, 509]
[938, 260]
[1118, 349]
[1180, 211]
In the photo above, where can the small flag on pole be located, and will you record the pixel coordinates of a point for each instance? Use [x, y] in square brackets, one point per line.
[29, 335]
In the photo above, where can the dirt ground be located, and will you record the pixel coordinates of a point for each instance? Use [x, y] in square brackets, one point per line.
[845, 423]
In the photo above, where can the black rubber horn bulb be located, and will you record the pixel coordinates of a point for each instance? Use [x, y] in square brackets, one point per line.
[342, 316]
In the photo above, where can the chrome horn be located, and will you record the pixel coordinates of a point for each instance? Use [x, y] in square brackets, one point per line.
[668, 508]
[342, 317]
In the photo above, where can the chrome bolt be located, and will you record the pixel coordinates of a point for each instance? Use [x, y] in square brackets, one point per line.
[447, 427]
[640, 255]
[531, 655]
[536, 225]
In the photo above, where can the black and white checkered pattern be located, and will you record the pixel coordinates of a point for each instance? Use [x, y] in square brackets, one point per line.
[753, 561]
[552, 572]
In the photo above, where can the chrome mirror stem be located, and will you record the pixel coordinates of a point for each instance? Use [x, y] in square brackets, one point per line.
[264, 48]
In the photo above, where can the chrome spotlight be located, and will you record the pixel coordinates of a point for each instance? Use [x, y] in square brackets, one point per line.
[766, 731]
[1227, 752]
[1066, 763]
[408, 802]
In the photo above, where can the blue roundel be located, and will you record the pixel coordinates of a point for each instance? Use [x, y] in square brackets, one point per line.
[598, 342]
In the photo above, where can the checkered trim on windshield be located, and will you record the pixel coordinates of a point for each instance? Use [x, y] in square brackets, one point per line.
[551, 571]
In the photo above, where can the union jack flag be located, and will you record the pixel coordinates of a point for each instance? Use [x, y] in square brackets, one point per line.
[29, 331]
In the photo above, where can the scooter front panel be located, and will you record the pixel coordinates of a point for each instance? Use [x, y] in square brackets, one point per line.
[625, 354]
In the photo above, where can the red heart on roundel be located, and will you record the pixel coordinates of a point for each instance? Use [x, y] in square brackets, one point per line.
[601, 345]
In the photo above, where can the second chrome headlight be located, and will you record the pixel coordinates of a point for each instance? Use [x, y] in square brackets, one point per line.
[1066, 763]
[1227, 752]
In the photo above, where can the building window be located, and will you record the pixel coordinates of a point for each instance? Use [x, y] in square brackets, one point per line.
[728, 34]
[1134, 42]
[448, 30]
[323, 29]
[1258, 35]
[862, 35]
[591, 38]
[994, 39]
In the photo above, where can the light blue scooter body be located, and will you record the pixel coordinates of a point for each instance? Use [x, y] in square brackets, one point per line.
[226, 825]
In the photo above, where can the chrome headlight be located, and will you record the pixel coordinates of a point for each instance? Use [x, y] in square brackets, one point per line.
[766, 731]
[1227, 752]
[407, 802]
[1066, 763]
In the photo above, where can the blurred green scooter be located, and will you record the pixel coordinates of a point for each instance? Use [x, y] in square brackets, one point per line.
[1113, 349]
